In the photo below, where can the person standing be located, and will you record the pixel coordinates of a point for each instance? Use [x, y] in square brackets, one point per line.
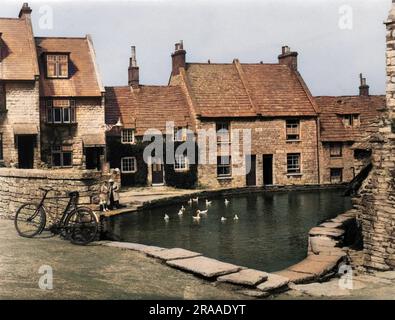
[114, 194]
[103, 197]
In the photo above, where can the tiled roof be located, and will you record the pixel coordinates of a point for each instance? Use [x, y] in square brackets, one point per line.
[84, 79]
[333, 108]
[248, 90]
[19, 61]
[148, 107]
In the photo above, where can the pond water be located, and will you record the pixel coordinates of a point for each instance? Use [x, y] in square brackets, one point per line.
[271, 233]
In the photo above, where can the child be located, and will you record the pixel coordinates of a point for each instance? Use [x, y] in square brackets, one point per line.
[114, 195]
[103, 197]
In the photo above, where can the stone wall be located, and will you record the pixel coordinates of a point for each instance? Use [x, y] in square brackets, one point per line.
[269, 138]
[89, 121]
[18, 186]
[22, 106]
[376, 203]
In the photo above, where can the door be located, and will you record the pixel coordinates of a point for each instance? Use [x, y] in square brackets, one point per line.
[251, 174]
[267, 169]
[93, 155]
[26, 151]
[157, 172]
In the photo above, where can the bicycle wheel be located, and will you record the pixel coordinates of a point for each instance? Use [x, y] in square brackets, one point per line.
[30, 220]
[81, 226]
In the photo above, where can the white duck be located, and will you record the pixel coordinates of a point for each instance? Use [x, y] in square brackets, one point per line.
[190, 202]
[196, 218]
[236, 217]
[199, 212]
[180, 213]
[223, 219]
[208, 203]
[166, 218]
[227, 202]
[195, 199]
[182, 208]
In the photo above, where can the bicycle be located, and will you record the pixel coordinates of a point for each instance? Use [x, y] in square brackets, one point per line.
[79, 225]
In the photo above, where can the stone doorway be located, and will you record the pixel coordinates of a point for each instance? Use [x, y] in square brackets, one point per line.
[26, 144]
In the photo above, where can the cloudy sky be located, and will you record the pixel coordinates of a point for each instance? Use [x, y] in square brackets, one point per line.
[336, 39]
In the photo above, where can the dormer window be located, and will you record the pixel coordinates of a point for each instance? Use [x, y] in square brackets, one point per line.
[127, 136]
[351, 120]
[57, 66]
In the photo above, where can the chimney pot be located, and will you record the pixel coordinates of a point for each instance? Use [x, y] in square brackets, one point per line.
[363, 88]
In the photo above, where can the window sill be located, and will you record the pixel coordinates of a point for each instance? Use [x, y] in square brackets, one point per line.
[336, 157]
[128, 143]
[128, 172]
[221, 178]
[291, 141]
[61, 124]
[294, 174]
[181, 170]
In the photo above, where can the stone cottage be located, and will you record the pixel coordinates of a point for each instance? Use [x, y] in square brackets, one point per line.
[271, 101]
[344, 123]
[133, 110]
[51, 99]
[19, 93]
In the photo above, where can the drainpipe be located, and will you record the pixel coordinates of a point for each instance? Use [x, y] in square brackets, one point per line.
[317, 121]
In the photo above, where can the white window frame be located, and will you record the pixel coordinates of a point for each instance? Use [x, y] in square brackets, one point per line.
[223, 132]
[133, 163]
[123, 136]
[220, 164]
[292, 128]
[294, 169]
[181, 165]
[180, 134]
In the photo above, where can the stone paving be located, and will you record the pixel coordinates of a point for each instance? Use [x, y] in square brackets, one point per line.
[92, 272]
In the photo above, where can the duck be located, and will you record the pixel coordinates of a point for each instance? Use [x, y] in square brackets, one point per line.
[166, 218]
[180, 213]
[208, 203]
[197, 217]
[195, 199]
[226, 202]
[223, 219]
[236, 217]
[182, 208]
[199, 212]
[190, 202]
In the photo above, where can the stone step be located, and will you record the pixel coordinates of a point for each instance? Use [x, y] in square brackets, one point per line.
[132, 246]
[173, 254]
[330, 232]
[246, 277]
[296, 277]
[205, 267]
[273, 283]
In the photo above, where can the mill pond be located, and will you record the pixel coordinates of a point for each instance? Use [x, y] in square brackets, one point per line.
[270, 234]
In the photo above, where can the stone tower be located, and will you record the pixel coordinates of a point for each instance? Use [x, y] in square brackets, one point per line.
[377, 201]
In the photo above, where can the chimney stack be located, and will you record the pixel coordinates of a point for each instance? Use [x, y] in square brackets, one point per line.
[178, 58]
[134, 77]
[289, 58]
[363, 88]
[25, 11]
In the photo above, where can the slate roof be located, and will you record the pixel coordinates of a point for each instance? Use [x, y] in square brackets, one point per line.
[333, 108]
[148, 107]
[19, 60]
[247, 90]
[84, 80]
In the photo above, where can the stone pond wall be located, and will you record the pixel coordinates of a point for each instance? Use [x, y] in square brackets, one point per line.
[18, 186]
[376, 202]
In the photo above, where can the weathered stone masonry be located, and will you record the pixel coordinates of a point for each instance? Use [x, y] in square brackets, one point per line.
[377, 196]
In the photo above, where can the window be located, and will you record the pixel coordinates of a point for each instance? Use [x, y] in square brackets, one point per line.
[60, 111]
[293, 163]
[2, 97]
[181, 163]
[336, 175]
[335, 149]
[128, 165]
[127, 136]
[293, 130]
[351, 120]
[224, 166]
[62, 156]
[57, 66]
[223, 134]
[1, 147]
[180, 134]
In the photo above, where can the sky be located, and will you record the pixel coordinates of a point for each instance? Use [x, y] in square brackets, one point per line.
[336, 39]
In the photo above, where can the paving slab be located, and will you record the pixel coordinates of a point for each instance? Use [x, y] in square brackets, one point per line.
[254, 293]
[204, 266]
[313, 266]
[296, 277]
[330, 232]
[389, 275]
[133, 246]
[343, 218]
[273, 282]
[173, 254]
[321, 243]
[247, 277]
[327, 289]
[331, 224]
